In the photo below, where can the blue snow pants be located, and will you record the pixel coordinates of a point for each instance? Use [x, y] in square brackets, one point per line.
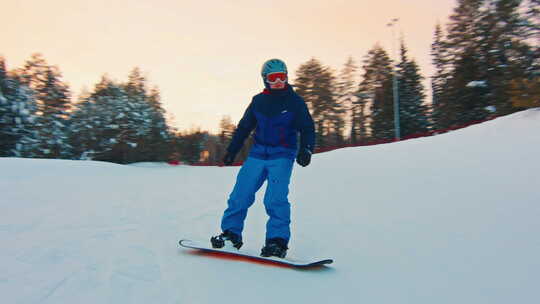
[277, 173]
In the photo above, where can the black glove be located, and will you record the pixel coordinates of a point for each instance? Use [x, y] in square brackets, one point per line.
[304, 157]
[228, 159]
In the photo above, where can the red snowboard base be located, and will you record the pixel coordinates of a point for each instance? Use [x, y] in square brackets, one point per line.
[246, 256]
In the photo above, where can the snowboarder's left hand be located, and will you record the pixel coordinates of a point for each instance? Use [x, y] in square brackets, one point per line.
[304, 157]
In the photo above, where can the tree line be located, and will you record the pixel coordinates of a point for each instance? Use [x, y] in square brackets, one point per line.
[121, 122]
[487, 64]
[486, 59]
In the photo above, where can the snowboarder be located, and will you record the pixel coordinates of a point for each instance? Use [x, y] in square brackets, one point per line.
[277, 114]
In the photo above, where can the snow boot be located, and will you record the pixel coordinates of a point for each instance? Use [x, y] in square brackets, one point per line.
[275, 247]
[219, 241]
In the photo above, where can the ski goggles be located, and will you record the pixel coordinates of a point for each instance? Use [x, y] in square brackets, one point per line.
[273, 78]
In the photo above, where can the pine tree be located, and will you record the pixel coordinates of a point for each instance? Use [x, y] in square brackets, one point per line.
[155, 144]
[467, 89]
[17, 116]
[532, 16]
[101, 125]
[317, 85]
[307, 86]
[160, 141]
[3, 69]
[51, 93]
[412, 111]
[7, 139]
[88, 122]
[488, 53]
[347, 95]
[337, 110]
[53, 100]
[462, 30]
[376, 86]
[191, 143]
[120, 122]
[226, 128]
[154, 98]
[524, 86]
[359, 125]
[226, 131]
[503, 50]
[439, 81]
[34, 71]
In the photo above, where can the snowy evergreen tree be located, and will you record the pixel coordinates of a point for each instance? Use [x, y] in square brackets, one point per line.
[120, 123]
[55, 97]
[88, 122]
[52, 95]
[17, 116]
[3, 69]
[155, 146]
[7, 139]
[101, 127]
[53, 100]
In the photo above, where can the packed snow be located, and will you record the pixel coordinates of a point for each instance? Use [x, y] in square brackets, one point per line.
[477, 83]
[452, 218]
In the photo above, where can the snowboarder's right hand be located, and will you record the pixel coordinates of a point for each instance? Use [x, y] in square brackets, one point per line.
[228, 159]
[304, 157]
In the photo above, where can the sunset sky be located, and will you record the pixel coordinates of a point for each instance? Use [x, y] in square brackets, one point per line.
[205, 56]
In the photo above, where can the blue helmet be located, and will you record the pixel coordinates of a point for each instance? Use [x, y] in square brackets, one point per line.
[273, 66]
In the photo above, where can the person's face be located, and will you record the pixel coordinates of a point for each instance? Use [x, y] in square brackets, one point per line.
[276, 81]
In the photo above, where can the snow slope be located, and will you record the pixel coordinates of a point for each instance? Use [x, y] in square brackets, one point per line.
[447, 219]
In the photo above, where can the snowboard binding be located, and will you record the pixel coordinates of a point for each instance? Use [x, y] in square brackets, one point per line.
[219, 241]
[275, 247]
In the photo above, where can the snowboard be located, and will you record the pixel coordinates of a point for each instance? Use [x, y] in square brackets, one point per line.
[252, 257]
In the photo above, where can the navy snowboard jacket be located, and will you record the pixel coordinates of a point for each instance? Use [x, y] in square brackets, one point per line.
[277, 117]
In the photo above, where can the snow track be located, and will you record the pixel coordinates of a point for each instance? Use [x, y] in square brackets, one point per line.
[446, 219]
